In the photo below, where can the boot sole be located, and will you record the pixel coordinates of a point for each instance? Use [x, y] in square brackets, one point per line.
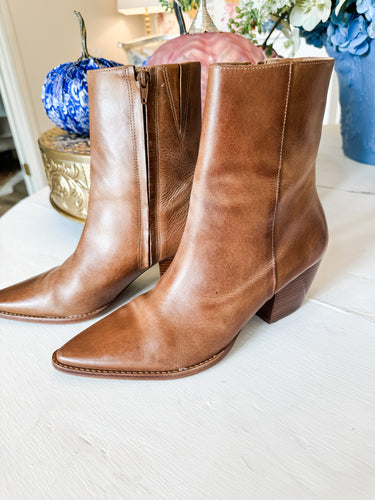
[51, 319]
[145, 375]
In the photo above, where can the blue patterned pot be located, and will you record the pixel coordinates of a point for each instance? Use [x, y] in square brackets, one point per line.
[65, 93]
[356, 75]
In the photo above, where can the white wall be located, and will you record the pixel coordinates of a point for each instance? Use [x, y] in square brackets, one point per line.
[332, 113]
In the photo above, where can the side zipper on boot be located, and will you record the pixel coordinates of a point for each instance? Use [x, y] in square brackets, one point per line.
[142, 75]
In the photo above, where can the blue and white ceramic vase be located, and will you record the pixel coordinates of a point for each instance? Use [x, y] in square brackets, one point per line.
[65, 93]
[356, 75]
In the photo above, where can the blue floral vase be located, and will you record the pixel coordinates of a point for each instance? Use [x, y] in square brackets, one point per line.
[65, 92]
[356, 75]
[351, 41]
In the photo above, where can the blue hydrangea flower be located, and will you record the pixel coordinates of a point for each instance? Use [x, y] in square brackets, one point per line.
[349, 30]
[371, 30]
[348, 34]
[316, 37]
[366, 7]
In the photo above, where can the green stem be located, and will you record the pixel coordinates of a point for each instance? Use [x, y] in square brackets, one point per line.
[283, 16]
[85, 54]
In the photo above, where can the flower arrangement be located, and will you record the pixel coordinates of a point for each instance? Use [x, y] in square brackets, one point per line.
[184, 4]
[339, 25]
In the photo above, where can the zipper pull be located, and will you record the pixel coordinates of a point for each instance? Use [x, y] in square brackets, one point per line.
[143, 77]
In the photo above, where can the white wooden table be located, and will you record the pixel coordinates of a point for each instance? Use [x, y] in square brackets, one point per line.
[289, 414]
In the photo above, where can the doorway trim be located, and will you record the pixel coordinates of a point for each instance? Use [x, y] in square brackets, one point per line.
[17, 102]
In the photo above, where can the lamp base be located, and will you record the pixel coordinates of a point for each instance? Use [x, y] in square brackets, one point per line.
[147, 22]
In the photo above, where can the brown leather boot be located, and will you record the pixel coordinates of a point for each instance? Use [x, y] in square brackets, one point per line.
[254, 236]
[145, 128]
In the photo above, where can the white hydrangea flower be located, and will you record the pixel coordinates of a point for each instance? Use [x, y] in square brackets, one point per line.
[309, 13]
[265, 9]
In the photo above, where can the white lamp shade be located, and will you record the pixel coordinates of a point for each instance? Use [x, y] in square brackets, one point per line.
[134, 7]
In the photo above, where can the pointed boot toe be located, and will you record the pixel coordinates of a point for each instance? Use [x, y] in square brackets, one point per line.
[101, 350]
[25, 301]
[131, 344]
[76, 358]
[46, 299]
[12, 303]
[71, 358]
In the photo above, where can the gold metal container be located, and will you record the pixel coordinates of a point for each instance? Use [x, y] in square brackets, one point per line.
[66, 159]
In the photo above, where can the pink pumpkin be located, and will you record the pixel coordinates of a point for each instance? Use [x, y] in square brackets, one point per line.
[207, 48]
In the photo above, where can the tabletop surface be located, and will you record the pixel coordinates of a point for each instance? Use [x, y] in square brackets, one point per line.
[289, 414]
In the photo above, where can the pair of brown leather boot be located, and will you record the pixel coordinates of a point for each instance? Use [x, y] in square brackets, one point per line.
[255, 229]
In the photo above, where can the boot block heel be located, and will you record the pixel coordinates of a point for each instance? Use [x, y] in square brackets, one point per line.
[163, 266]
[288, 299]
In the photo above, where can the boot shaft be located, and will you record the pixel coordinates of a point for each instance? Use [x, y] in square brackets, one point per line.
[143, 153]
[256, 167]
[173, 134]
[300, 227]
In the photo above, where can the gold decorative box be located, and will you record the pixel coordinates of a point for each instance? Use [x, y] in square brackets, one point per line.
[66, 159]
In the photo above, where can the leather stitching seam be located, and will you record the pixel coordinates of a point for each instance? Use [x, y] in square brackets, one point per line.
[278, 181]
[157, 171]
[187, 103]
[7, 313]
[136, 166]
[171, 102]
[254, 67]
[136, 372]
